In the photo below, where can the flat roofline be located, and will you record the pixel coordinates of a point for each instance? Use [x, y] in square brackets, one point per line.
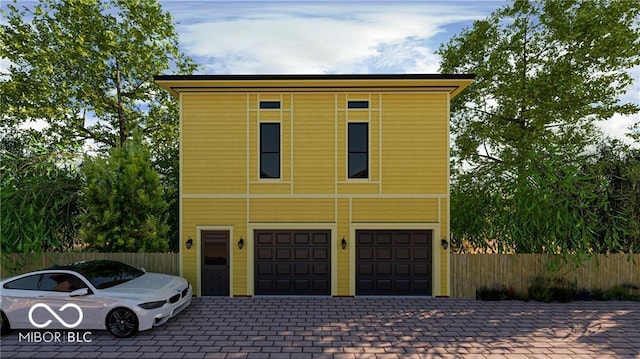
[451, 83]
[315, 77]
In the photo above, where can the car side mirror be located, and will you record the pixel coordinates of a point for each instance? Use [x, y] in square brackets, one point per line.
[79, 292]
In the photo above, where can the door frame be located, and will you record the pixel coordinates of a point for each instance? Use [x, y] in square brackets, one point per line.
[199, 230]
[435, 249]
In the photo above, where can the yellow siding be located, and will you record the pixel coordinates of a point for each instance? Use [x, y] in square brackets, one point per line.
[214, 212]
[220, 158]
[285, 155]
[313, 141]
[387, 210]
[358, 188]
[292, 210]
[253, 155]
[270, 115]
[374, 146]
[358, 115]
[270, 188]
[341, 144]
[444, 254]
[415, 131]
[213, 143]
[343, 254]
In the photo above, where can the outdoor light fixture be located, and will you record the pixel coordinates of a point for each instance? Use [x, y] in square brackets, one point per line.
[240, 243]
[189, 243]
[344, 243]
[445, 244]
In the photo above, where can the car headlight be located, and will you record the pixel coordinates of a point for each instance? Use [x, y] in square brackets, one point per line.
[152, 305]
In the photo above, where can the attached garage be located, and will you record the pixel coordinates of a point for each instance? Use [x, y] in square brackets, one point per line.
[292, 262]
[394, 262]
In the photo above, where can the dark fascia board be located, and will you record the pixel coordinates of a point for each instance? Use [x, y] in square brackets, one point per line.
[315, 77]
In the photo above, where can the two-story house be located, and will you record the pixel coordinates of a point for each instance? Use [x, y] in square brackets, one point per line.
[315, 184]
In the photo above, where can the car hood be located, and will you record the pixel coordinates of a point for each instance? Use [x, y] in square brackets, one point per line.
[149, 284]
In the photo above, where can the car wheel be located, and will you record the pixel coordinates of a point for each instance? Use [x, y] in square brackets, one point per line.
[122, 322]
[4, 324]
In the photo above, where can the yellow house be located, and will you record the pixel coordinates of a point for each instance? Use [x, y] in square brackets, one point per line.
[315, 184]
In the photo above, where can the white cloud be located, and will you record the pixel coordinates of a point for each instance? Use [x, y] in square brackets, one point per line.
[252, 37]
[303, 37]
[618, 127]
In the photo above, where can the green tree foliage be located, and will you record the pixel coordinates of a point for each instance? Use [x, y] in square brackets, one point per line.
[85, 69]
[546, 72]
[38, 196]
[125, 208]
[617, 166]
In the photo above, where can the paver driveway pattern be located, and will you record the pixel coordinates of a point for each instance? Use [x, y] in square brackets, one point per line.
[312, 327]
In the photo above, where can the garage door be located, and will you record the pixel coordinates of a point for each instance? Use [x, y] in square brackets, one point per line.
[292, 262]
[393, 262]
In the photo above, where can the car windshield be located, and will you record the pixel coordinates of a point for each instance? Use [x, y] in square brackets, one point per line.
[104, 273]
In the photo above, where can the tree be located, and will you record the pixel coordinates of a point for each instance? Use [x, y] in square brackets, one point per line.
[39, 192]
[546, 72]
[125, 209]
[85, 70]
[618, 167]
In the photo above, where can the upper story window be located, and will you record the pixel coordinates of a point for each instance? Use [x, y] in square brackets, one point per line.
[358, 104]
[358, 150]
[269, 105]
[269, 150]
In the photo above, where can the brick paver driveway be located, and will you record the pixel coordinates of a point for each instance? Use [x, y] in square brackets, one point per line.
[272, 327]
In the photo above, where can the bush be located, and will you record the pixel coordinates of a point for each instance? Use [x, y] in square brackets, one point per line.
[544, 289]
[496, 293]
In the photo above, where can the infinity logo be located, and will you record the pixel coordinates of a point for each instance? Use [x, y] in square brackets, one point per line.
[60, 320]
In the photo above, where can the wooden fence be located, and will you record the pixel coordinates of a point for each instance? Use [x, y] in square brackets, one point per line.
[470, 272]
[15, 263]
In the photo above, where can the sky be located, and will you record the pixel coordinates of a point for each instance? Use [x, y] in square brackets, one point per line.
[320, 36]
[332, 37]
[329, 37]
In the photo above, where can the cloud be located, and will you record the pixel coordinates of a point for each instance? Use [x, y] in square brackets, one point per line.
[317, 37]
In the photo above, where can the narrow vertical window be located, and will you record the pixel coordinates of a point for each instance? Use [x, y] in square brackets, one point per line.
[269, 150]
[358, 150]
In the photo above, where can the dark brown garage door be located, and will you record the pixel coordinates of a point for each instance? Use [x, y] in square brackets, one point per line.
[292, 262]
[393, 262]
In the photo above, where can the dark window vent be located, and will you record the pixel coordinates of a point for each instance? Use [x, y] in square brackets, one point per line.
[269, 105]
[358, 104]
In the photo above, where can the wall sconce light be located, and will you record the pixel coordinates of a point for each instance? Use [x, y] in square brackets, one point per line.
[240, 243]
[344, 243]
[445, 244]
[189, 243]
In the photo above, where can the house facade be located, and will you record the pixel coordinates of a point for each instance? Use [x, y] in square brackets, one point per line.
[315, 184]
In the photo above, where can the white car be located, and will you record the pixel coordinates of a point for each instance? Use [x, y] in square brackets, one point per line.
[97, 295]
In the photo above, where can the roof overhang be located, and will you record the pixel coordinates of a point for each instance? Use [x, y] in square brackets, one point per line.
[451, 83]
